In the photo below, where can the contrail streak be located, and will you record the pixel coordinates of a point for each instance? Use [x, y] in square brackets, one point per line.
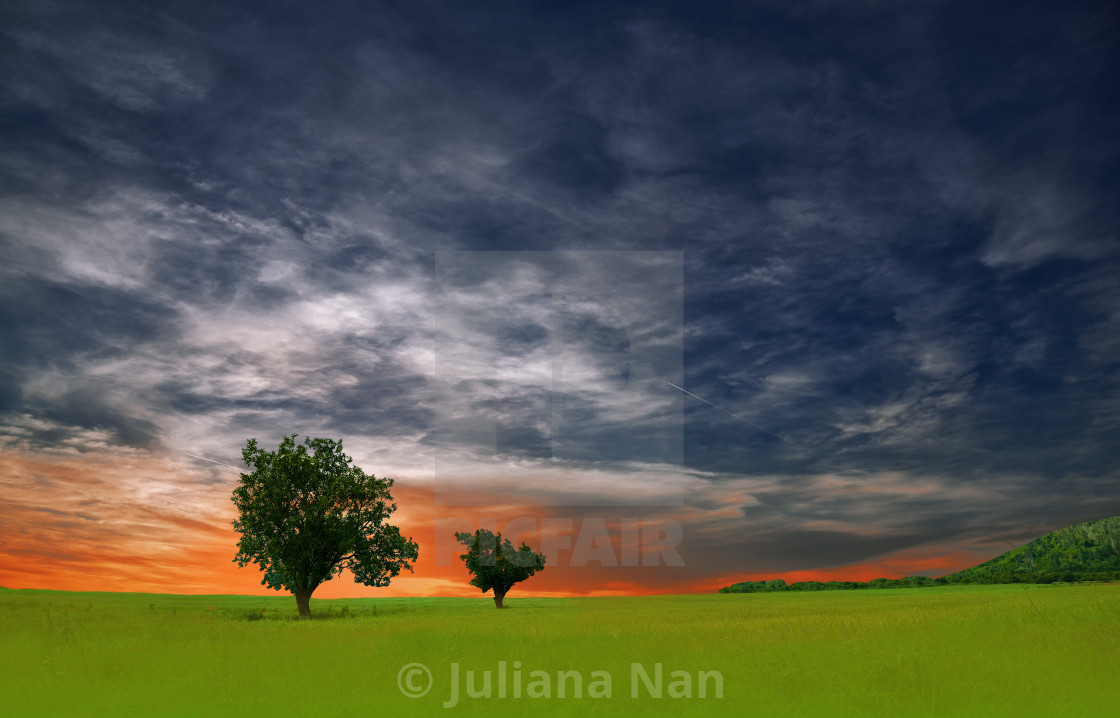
[214, 462]
[734, 416]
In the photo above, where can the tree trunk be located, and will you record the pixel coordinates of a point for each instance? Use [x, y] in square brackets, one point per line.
[303, 602]
[498, 599]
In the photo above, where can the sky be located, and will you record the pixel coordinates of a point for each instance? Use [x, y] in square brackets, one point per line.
[682, 293]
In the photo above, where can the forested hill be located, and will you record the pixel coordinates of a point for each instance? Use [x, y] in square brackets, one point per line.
[1083, 552]
[1087, 551]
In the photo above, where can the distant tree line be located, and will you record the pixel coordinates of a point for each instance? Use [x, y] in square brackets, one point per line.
[780, 585]
[1083, 552]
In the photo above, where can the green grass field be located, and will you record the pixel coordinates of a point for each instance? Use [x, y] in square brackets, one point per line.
[948, 651]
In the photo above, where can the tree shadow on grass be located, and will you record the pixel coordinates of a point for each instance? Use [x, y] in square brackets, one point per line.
[330, 614]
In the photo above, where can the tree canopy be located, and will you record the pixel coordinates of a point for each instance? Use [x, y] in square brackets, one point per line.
[495, 564]
[306, 513]
[1088, 551]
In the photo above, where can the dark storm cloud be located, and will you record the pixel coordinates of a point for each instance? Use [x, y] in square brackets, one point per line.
[896, 223]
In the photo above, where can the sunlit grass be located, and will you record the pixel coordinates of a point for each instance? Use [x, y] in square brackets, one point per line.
[957, 650]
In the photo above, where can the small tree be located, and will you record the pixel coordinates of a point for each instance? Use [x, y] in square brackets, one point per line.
[495, 564]
[305, 513]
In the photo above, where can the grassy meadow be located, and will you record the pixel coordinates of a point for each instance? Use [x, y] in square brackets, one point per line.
[947, 651]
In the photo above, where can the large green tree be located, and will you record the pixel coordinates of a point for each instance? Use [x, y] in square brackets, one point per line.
[495, 564]
[306, 512]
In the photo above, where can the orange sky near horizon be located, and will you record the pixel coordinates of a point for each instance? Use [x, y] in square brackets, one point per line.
[130, 521]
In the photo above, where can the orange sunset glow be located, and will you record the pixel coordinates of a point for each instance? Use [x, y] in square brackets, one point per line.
[124, 523]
